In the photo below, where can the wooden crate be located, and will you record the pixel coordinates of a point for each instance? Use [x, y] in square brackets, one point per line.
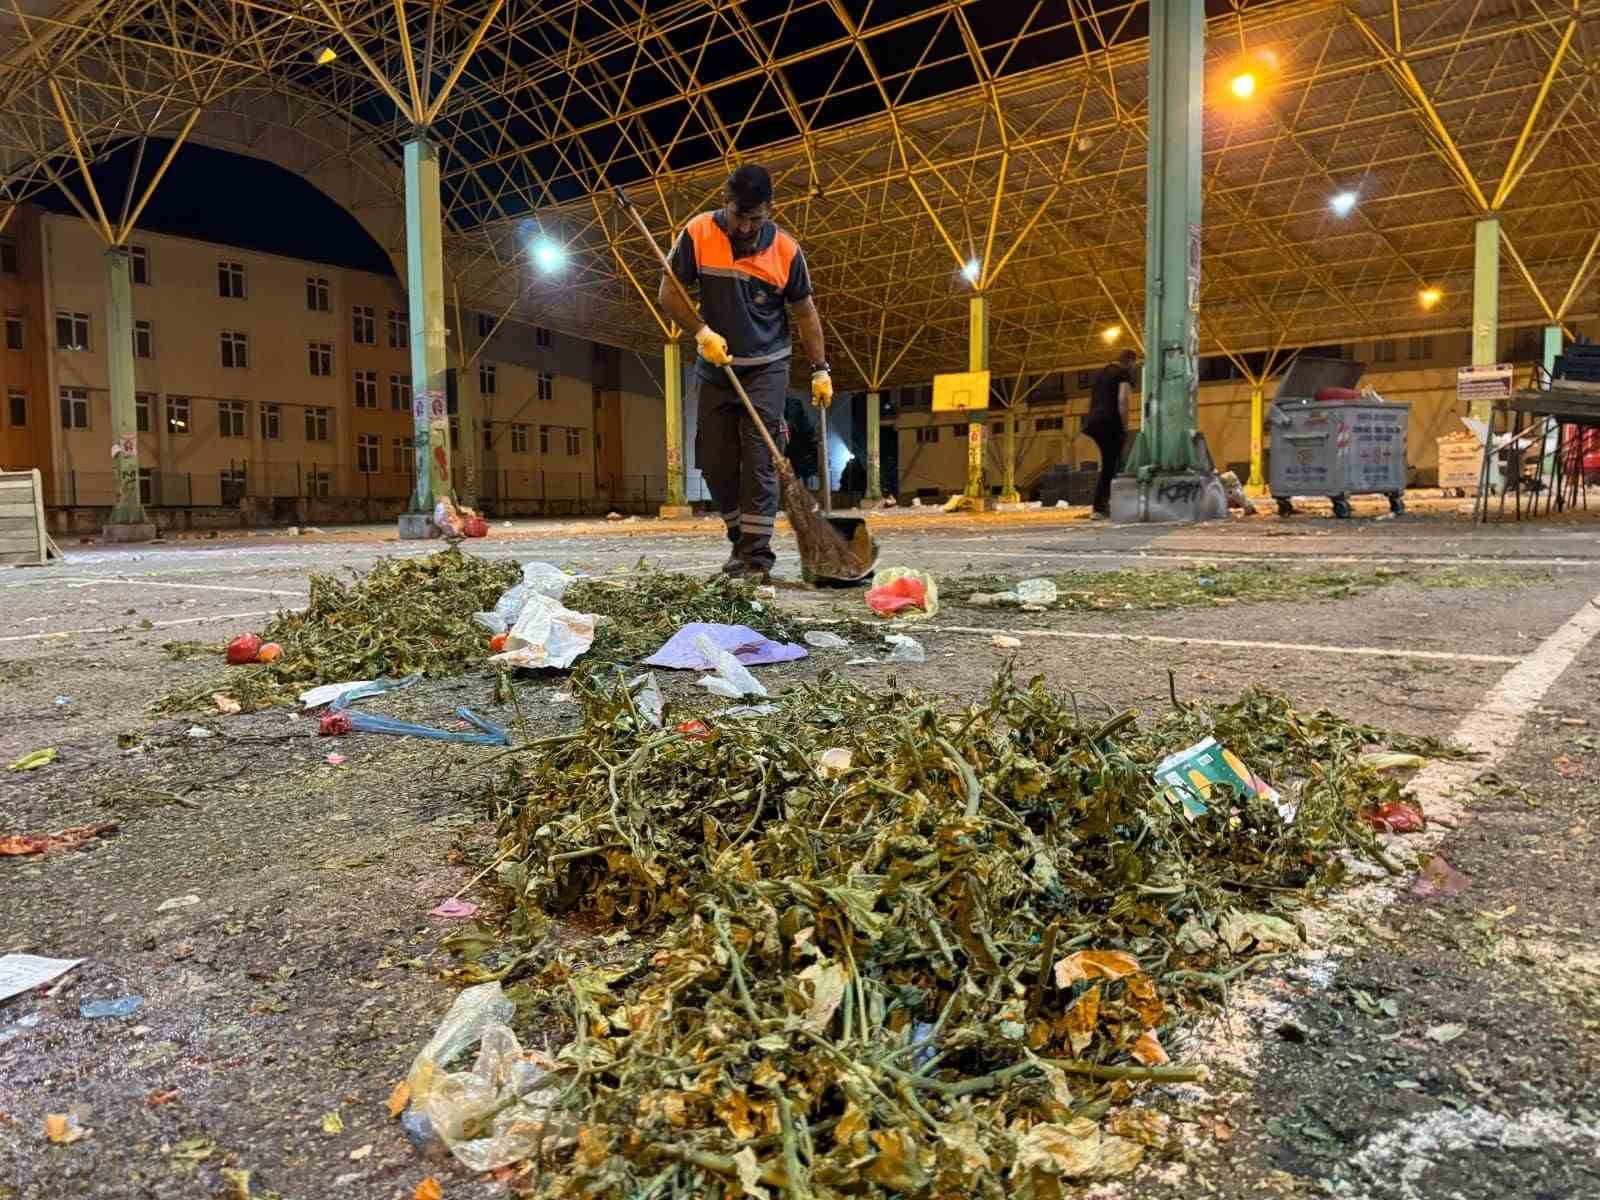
[1460, 463]
[24, 541]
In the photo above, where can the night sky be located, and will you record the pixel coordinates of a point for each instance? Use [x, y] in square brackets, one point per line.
[235, 200]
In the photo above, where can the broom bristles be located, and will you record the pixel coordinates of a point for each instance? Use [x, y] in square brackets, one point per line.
[822, 551]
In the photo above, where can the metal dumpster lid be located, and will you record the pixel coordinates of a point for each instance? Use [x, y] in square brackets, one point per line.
[1308, 376]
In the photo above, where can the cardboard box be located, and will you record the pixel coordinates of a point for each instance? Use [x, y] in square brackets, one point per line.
[1460, 463]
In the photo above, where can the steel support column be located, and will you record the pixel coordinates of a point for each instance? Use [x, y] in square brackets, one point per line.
[1257, 485]
[1172, 240]
[1485, 302]
[119, 367]
[469, 449]
[425, 286]
[977, 360]
[1008, 465]
[874, 445]
[672, 389]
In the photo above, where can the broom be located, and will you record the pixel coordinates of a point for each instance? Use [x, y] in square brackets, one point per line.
[824, 555]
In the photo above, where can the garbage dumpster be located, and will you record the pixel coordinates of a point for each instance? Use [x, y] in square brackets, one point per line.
[1347, 443]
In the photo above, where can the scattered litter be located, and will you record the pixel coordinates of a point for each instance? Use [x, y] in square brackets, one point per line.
[1191, 775]
[1444, 1033]
[647, 697]
[334, 724]
[685, 649]
[42, 843]
[123, 1006]
[63, 701]
[905, 649]
[341, 720]
[199, 732]
[454, 909]
[1439, 878]
[694, 731]
[750, 710]
[642, 609]
[178, 902]
[822, 639]
[1395, 817]
[903, 592]
[23, 972]
[361, 1152]
[1036, 591]
[1389, 760]
[835, 761]
[64, 1128]
[613, 515]
[862, 662]
[35, 759]
[538, 579]
[20, 1026]
[547, 634]
[243, 649]
[328, 692]
[335, 760]
[732, 679]
[429, 1188]
[225, 703]
[1002, 641]
[332, 1123]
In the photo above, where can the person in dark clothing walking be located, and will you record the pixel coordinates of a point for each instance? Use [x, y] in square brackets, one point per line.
[1107, 422]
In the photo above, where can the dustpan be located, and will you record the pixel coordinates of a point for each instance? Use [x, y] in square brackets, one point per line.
[853, 531]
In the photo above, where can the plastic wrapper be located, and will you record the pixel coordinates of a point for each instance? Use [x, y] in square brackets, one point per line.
[1037, 591]
[732, 678]
[647, 697]
[903, 593]
[822, 639]
[538, 579]
[340, 719]
[905, 649]
[546, 634]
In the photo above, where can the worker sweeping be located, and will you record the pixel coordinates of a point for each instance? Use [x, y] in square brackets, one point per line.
[750, 274]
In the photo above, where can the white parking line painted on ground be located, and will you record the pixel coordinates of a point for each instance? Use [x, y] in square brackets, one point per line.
[1225, 557]
[1493, 727]
[67, 633]
[199, 587]
[1230, 643]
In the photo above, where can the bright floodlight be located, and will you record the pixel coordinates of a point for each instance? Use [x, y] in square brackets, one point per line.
[548, 256]
[1342, 204]
[1429, 296]
[1110, 334]
[970, 271]
[1243, 85]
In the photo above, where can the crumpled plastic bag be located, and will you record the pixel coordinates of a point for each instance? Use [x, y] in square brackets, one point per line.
[538, 579]
[503, 1109]
[449, 520]
[647, 697]
[823, 639]
[547, 634]
[906, 649]
[732, 679]
[681, 651]
[1037, 591]
[903, 592]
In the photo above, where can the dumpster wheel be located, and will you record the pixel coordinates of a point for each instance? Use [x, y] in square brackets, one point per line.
[1341, 507]
[1397, 503]
[1285, 506]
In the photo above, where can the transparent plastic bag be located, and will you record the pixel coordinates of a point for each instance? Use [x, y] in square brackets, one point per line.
[1037, 591]
[822, 639]
[732, 678]
[547, 634]
[905, 649]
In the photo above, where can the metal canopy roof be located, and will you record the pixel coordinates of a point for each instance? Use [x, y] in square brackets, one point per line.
[906, 138]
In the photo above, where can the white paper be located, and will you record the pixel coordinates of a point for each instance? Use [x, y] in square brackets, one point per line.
[546, 634]
[23, 972]
[327, 693]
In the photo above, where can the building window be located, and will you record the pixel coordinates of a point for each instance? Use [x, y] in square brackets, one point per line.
[74, 408]
[271, 427]
[19, 408]
[235, 349]
[319, 483]
[367, 451]
[72, 330]
[519, 439]
[320, 357]
[486, 379]
[927, 433]
[573, 446]
[1383, 351]
[143, 403]
[147, 486]
[488, 436]
[405, 450]
[177, 414]
[1048, 424]
[138, 264]
[233, 484]
[13, 331]
[455, 431]
[143, 345]
[541, 337]
[544, 439]
[485, 325]
[399, 330]
[364, 325]
[400, 393]
[8, 258]
[1420, 347]
[547, 386]
[316, 293]
[366, 389]
[317, 424]
[230, 280]
[230, 418]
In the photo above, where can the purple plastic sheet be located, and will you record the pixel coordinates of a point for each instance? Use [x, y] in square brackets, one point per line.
[749, 647]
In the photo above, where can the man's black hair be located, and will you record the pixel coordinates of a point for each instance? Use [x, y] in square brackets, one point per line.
[1127, 358]
[750, 187]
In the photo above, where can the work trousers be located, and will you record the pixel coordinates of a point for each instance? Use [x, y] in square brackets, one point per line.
[733, 459]
[1109, 437]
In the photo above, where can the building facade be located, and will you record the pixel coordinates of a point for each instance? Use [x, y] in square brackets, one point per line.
[262, 381]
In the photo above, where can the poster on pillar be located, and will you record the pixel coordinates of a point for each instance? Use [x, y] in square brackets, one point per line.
[127, 446]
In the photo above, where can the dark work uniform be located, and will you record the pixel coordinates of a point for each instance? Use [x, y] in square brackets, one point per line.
[1104, 425]
[745, 298]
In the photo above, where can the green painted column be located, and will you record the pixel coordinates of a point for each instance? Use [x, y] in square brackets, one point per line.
[977, 360]
[119, 366]
[1172, 240]
[874, 446]
[1553, 344]
[672, 389]
[469, 449]
[1008, 468]
[1485, 302]
[425, 287]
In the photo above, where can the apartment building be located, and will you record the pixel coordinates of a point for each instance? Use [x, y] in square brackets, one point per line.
[275, 379]
[1419, 370]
